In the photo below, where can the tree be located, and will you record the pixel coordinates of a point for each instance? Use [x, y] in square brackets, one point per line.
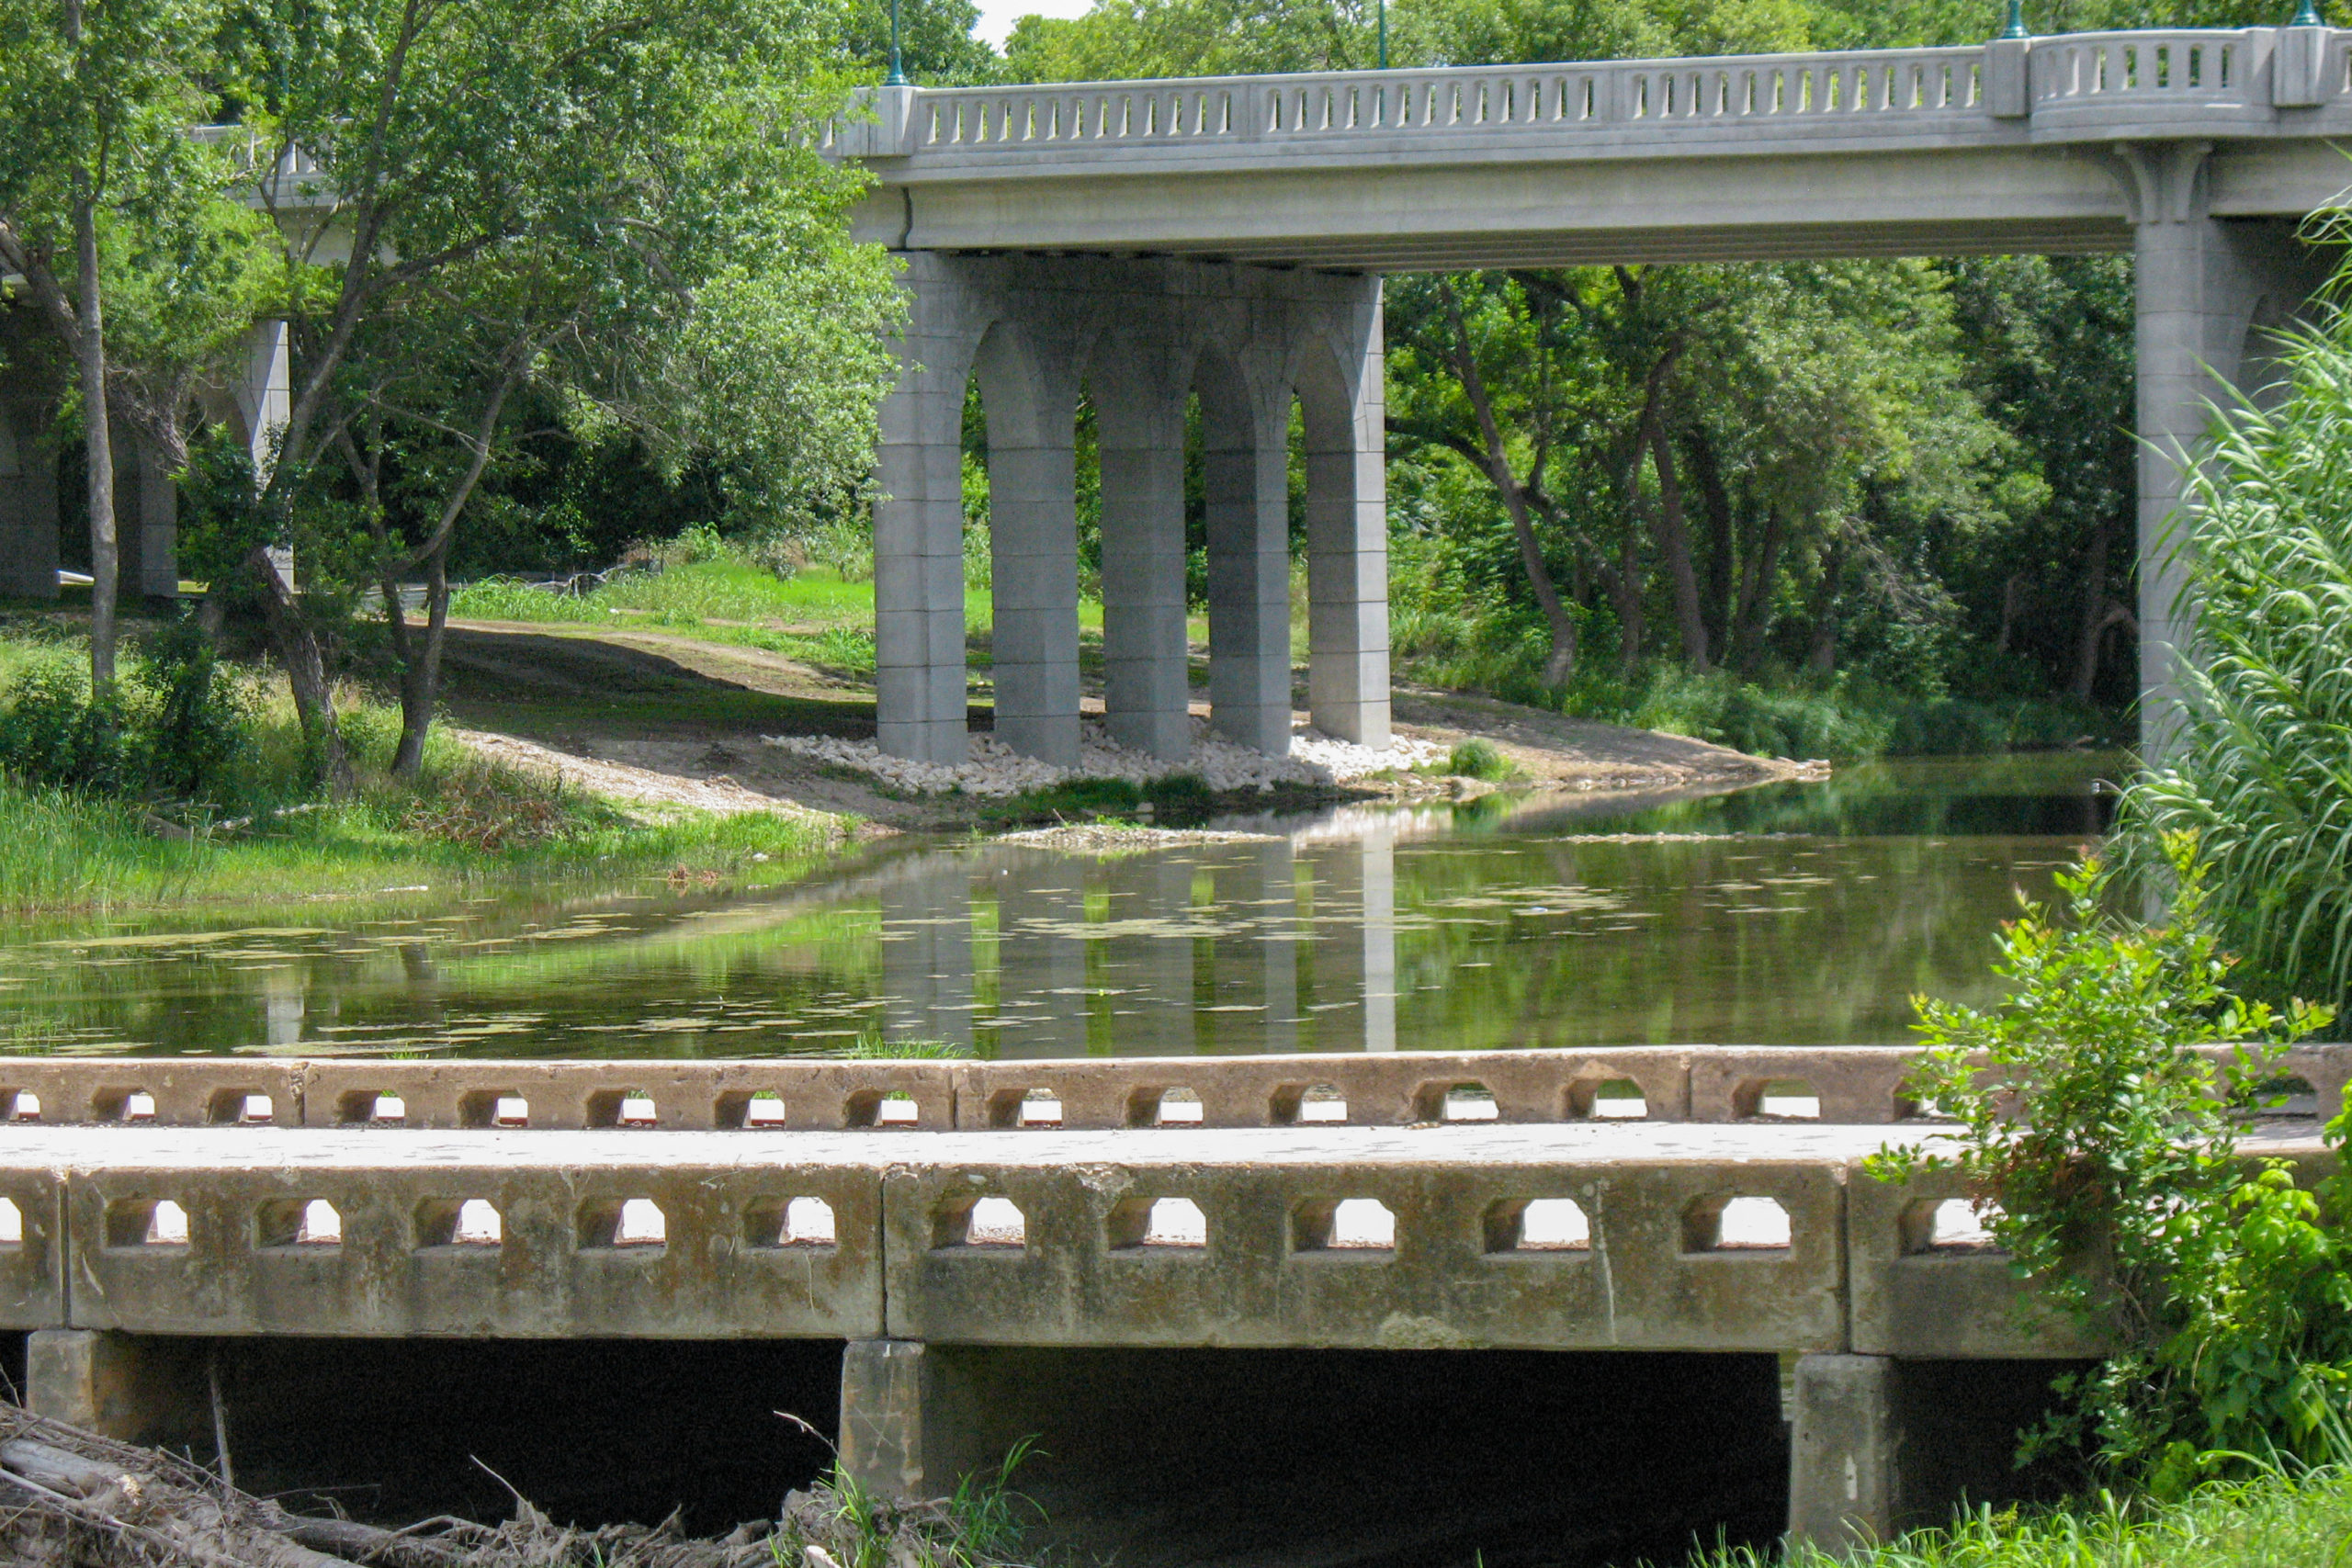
[577, 194]
[96, 99]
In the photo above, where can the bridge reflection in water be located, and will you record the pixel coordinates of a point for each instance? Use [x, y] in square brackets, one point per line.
[1272, 944]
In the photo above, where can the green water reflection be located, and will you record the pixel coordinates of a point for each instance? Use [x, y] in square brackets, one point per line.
[1800, 914]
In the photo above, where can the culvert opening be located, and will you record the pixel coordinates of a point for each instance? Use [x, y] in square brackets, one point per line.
[592, 1431]
[1171, 1455]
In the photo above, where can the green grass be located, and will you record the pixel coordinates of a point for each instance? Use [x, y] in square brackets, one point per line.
[2274, 1522]
[265, 836]
[691, 593]
[61, 851]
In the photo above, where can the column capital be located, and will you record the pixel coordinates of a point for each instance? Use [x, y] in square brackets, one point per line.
[2163, 182]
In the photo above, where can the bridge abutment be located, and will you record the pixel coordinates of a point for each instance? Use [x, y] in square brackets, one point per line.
[1139, 334]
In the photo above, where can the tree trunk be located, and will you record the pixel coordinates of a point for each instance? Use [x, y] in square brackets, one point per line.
[1625, 590]
[420, 661]
[1724, 575]
[1822, 659]
[1750, 619]
[1557, 619]
[306, 673]
[1674, 542]
[2091, 628]
[97, 446]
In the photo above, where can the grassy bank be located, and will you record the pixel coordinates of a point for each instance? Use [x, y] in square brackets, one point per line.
[2274, 1522]
[260, 830]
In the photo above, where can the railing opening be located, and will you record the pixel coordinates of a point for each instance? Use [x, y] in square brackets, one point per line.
[622, 1108]
[369, 1108]
[1538, 1225]
[622, 1221]
[1348, 1224]
[1746, 1224]
[493, 1107]
[297, 1223]
[791, 1221]
[981, 1223]
[236, 1108]
[12, 1224]
[471, 1222]
[1308, 1103]
[143, 1221]
[1948, 1226]
[24, 1105]
[1166, 1108]
[1154, 1223]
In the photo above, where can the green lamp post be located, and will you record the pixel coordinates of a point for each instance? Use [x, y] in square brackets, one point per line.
[898, 76]
[2014, 26]
[2307, 15]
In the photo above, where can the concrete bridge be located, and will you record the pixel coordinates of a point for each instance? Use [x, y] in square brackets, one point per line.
[1227, 236]
[1001, 1248]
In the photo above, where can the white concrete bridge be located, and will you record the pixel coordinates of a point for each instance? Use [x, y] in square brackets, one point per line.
[1227, 235]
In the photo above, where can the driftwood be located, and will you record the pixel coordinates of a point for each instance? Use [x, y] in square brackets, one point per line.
[73, 1499]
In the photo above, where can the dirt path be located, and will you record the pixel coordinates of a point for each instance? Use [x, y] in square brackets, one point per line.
[660, 717]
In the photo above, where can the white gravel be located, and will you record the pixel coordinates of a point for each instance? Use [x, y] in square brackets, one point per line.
[995, 769]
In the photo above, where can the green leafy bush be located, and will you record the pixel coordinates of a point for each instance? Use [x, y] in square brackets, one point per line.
[1476, 758]
[174, 726]
[2098, 1106]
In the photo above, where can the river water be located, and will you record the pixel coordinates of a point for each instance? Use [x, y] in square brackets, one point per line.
[1794, 914]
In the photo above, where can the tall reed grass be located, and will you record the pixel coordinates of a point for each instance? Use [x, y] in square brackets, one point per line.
[2258, 761]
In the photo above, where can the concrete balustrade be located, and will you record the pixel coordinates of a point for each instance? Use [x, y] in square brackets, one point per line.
[1856, 1085]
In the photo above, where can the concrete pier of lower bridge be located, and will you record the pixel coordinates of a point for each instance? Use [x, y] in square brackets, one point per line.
[990, 1275]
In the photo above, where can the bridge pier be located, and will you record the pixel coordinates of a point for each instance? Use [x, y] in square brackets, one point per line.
[2207, 290]
[1139, 334]
[1880, 1445]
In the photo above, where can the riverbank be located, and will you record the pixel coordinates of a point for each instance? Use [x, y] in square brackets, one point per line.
[575, 750]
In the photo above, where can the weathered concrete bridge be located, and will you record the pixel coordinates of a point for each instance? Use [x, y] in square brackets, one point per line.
[989, 1239]
[1227, 236]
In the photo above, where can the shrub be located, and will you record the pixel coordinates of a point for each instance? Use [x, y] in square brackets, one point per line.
[1477, 758]
[176, 726]
[2100, 1149]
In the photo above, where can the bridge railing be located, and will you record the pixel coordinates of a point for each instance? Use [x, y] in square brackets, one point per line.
[2069, 78]
[1851, 1084]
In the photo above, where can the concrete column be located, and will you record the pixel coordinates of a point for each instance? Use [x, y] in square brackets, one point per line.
[1031, 394]
[124, 1386]
[146, 513]
[1246, 482]
[1882, 1445]
[28, 499]
[1139, 407]
[265, 395]
[2205, 289]
[1347, 531]
[919, 521]
[1844, 1453]
[910, 1427]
